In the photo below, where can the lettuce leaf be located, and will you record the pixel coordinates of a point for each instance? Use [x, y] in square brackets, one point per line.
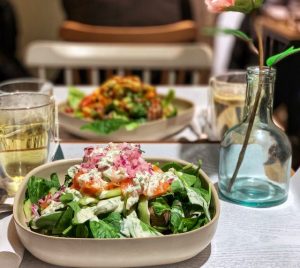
[74, 97]
[114, 220]
[110, 125]
[101, 229]
[38, 187]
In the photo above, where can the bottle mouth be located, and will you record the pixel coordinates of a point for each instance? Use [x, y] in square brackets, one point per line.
[265, 70]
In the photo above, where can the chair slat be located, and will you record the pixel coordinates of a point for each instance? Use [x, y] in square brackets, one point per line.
[95, 76]
[68, 76]
[147, 76]
[121, 72]
[195, 78]
[172, 77]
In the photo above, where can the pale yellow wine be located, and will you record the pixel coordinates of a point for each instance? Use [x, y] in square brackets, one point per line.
[22, 148]
[228, 110]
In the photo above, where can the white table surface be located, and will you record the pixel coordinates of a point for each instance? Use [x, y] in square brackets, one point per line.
[245, 237]
[197, 94]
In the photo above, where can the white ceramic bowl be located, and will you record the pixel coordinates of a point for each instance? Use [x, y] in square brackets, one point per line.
[124, 252]
[150, 131]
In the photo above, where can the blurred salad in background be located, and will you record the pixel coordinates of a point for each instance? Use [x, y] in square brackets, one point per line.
[120, 101]
[116, 193]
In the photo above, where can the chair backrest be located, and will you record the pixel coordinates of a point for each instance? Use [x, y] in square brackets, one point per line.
[194, 57]
[183, 31]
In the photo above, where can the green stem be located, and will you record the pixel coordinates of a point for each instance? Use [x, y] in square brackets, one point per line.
[110, 193]
[143, 211]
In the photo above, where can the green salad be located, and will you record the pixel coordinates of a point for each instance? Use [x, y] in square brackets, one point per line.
[115, 193]
[119, 102]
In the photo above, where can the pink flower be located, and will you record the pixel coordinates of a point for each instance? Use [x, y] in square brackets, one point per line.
[219, 5]
[244, 6]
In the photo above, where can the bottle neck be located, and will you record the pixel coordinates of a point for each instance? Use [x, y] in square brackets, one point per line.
[265, 79]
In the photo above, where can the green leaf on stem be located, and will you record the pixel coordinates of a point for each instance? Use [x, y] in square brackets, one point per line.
[239, 34]
[280, 56]
[236, 33]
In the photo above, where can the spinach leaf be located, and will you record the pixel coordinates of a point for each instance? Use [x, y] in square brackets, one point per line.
[179, 222]
[132, 125]
[177, 187]
[187, 224]
[66, 198]
[101, 229]
[110, 125]
[169, 110]
[206, 194]
[200, 222]
[82, 231]
[64, 221]
[196, 198]
[54, 181]
[168, 98]
[74, 97]
[198, 183]
[187, 178]
[169, 165]
[160, 206]
[137, 111]
[48, 221]
[105, 126]
[192, 169]
[177, 215]
[114, 220]
[147, 229]
[38, 187]
[74, 206]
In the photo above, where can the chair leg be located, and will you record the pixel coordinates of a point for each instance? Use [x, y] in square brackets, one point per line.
[164, 77]
[180, 79]
[204, 77]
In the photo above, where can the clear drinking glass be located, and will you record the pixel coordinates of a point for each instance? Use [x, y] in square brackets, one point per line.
[263, 177]
[227, 98]
[27, 85]
[28, 135]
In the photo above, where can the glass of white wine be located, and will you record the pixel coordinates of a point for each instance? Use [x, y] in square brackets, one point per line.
[227, 98]
[27, 85]
[28, 135]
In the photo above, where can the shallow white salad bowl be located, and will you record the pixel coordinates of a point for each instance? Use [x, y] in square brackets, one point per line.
[148, 131]
[124, 252]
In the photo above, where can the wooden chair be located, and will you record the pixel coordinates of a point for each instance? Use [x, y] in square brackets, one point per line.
[195, 57]
[179, 32]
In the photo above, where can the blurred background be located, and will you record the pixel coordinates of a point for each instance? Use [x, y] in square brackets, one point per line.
[174, 21]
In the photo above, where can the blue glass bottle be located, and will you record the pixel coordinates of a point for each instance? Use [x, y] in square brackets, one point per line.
[263, 177]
